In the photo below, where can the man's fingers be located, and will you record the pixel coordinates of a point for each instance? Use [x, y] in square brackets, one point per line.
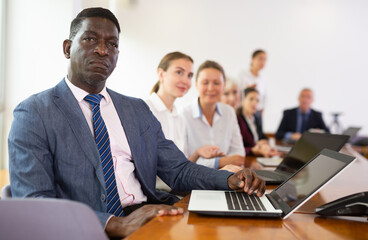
[257, 185]
[169, 210]
[248, 180]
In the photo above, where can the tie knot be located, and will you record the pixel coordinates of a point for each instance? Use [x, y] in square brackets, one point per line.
[93, 99]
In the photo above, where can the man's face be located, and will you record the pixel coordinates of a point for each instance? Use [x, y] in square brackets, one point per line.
[93, 53]
[305, 100]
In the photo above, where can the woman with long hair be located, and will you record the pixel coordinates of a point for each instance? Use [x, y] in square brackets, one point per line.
[254, 140]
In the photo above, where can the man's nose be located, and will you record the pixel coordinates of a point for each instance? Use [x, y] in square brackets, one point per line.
[101, 49]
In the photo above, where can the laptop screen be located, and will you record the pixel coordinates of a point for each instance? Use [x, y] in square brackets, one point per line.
[308, 146]
[308, 180]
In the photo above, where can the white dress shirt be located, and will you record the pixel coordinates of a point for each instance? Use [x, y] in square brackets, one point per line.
[224, 132]
[247, 79]
[129, 188]
[253, 127]
[172, 123]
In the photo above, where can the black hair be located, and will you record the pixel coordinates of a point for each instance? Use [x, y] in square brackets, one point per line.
[249, 90]
[256, 52]
[91, 12]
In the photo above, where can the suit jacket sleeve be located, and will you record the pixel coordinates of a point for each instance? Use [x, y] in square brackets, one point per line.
[281, 131]
[31, 161]
[320, 123]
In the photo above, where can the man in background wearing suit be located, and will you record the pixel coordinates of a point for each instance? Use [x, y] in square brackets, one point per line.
[297, 120]
[84, 142]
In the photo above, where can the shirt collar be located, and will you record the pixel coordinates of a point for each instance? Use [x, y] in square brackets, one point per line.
[300, 112]
[80, 94]
[250, 119]
[159, 104]
[197, 111]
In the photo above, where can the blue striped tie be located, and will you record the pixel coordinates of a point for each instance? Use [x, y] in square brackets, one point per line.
[103, 145]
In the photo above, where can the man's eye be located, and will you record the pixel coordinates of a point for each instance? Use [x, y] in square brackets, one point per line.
[179, 72]
[89, 39]
[115, 45]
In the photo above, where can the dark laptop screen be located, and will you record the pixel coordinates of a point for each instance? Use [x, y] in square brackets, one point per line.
[302, 184]
[308, 146]
[308, 180]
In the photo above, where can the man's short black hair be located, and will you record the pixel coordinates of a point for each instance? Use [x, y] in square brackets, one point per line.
[91, 12]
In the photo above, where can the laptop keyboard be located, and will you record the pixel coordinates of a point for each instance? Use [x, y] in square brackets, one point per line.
[243, 201]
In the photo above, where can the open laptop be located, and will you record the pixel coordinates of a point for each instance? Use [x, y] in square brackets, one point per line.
[282, 201]
[351, 132]
[304, 149]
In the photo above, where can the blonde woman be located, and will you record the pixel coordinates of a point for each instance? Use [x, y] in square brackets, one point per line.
[210, 122]
[231, 95]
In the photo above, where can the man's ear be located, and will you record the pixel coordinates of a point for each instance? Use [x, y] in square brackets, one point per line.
[66, 47]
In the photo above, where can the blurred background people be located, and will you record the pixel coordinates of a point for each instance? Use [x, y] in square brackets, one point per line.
[231, 95]
[175, 72]
[252, 78]
[210, 122]
[254, 140]
[297, 120]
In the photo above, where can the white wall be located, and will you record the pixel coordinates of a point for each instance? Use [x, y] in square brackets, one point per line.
[319, 44]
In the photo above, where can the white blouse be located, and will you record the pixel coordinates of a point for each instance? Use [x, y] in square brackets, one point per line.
[247, 79]
[172, 123]
[224, 132]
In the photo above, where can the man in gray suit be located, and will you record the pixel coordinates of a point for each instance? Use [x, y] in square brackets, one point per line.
[84, 142]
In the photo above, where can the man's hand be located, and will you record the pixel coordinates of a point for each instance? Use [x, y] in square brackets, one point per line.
[247, 180]
[123, 226]
[295, 136]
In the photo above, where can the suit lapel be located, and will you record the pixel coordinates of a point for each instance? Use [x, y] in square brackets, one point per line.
[295, 119]
[129, 120]
[68, 105]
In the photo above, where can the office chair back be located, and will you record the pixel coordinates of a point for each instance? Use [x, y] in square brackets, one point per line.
[6, 192]
[48, 219]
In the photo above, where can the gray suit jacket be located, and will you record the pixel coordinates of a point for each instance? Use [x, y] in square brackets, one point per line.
[53, 154]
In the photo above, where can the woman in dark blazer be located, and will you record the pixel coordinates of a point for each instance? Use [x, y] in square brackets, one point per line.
[254, 140]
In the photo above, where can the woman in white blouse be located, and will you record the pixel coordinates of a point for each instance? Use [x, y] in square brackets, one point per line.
[253, 77]
[210, 122]
[175, 73]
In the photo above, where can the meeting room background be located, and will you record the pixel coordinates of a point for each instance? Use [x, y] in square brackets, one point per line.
[317, 44]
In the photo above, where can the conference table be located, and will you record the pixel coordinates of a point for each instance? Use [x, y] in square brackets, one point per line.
[303, 224]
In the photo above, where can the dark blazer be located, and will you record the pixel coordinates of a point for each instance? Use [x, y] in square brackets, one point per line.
[248, 138]
[289, 122]
[53, 154]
